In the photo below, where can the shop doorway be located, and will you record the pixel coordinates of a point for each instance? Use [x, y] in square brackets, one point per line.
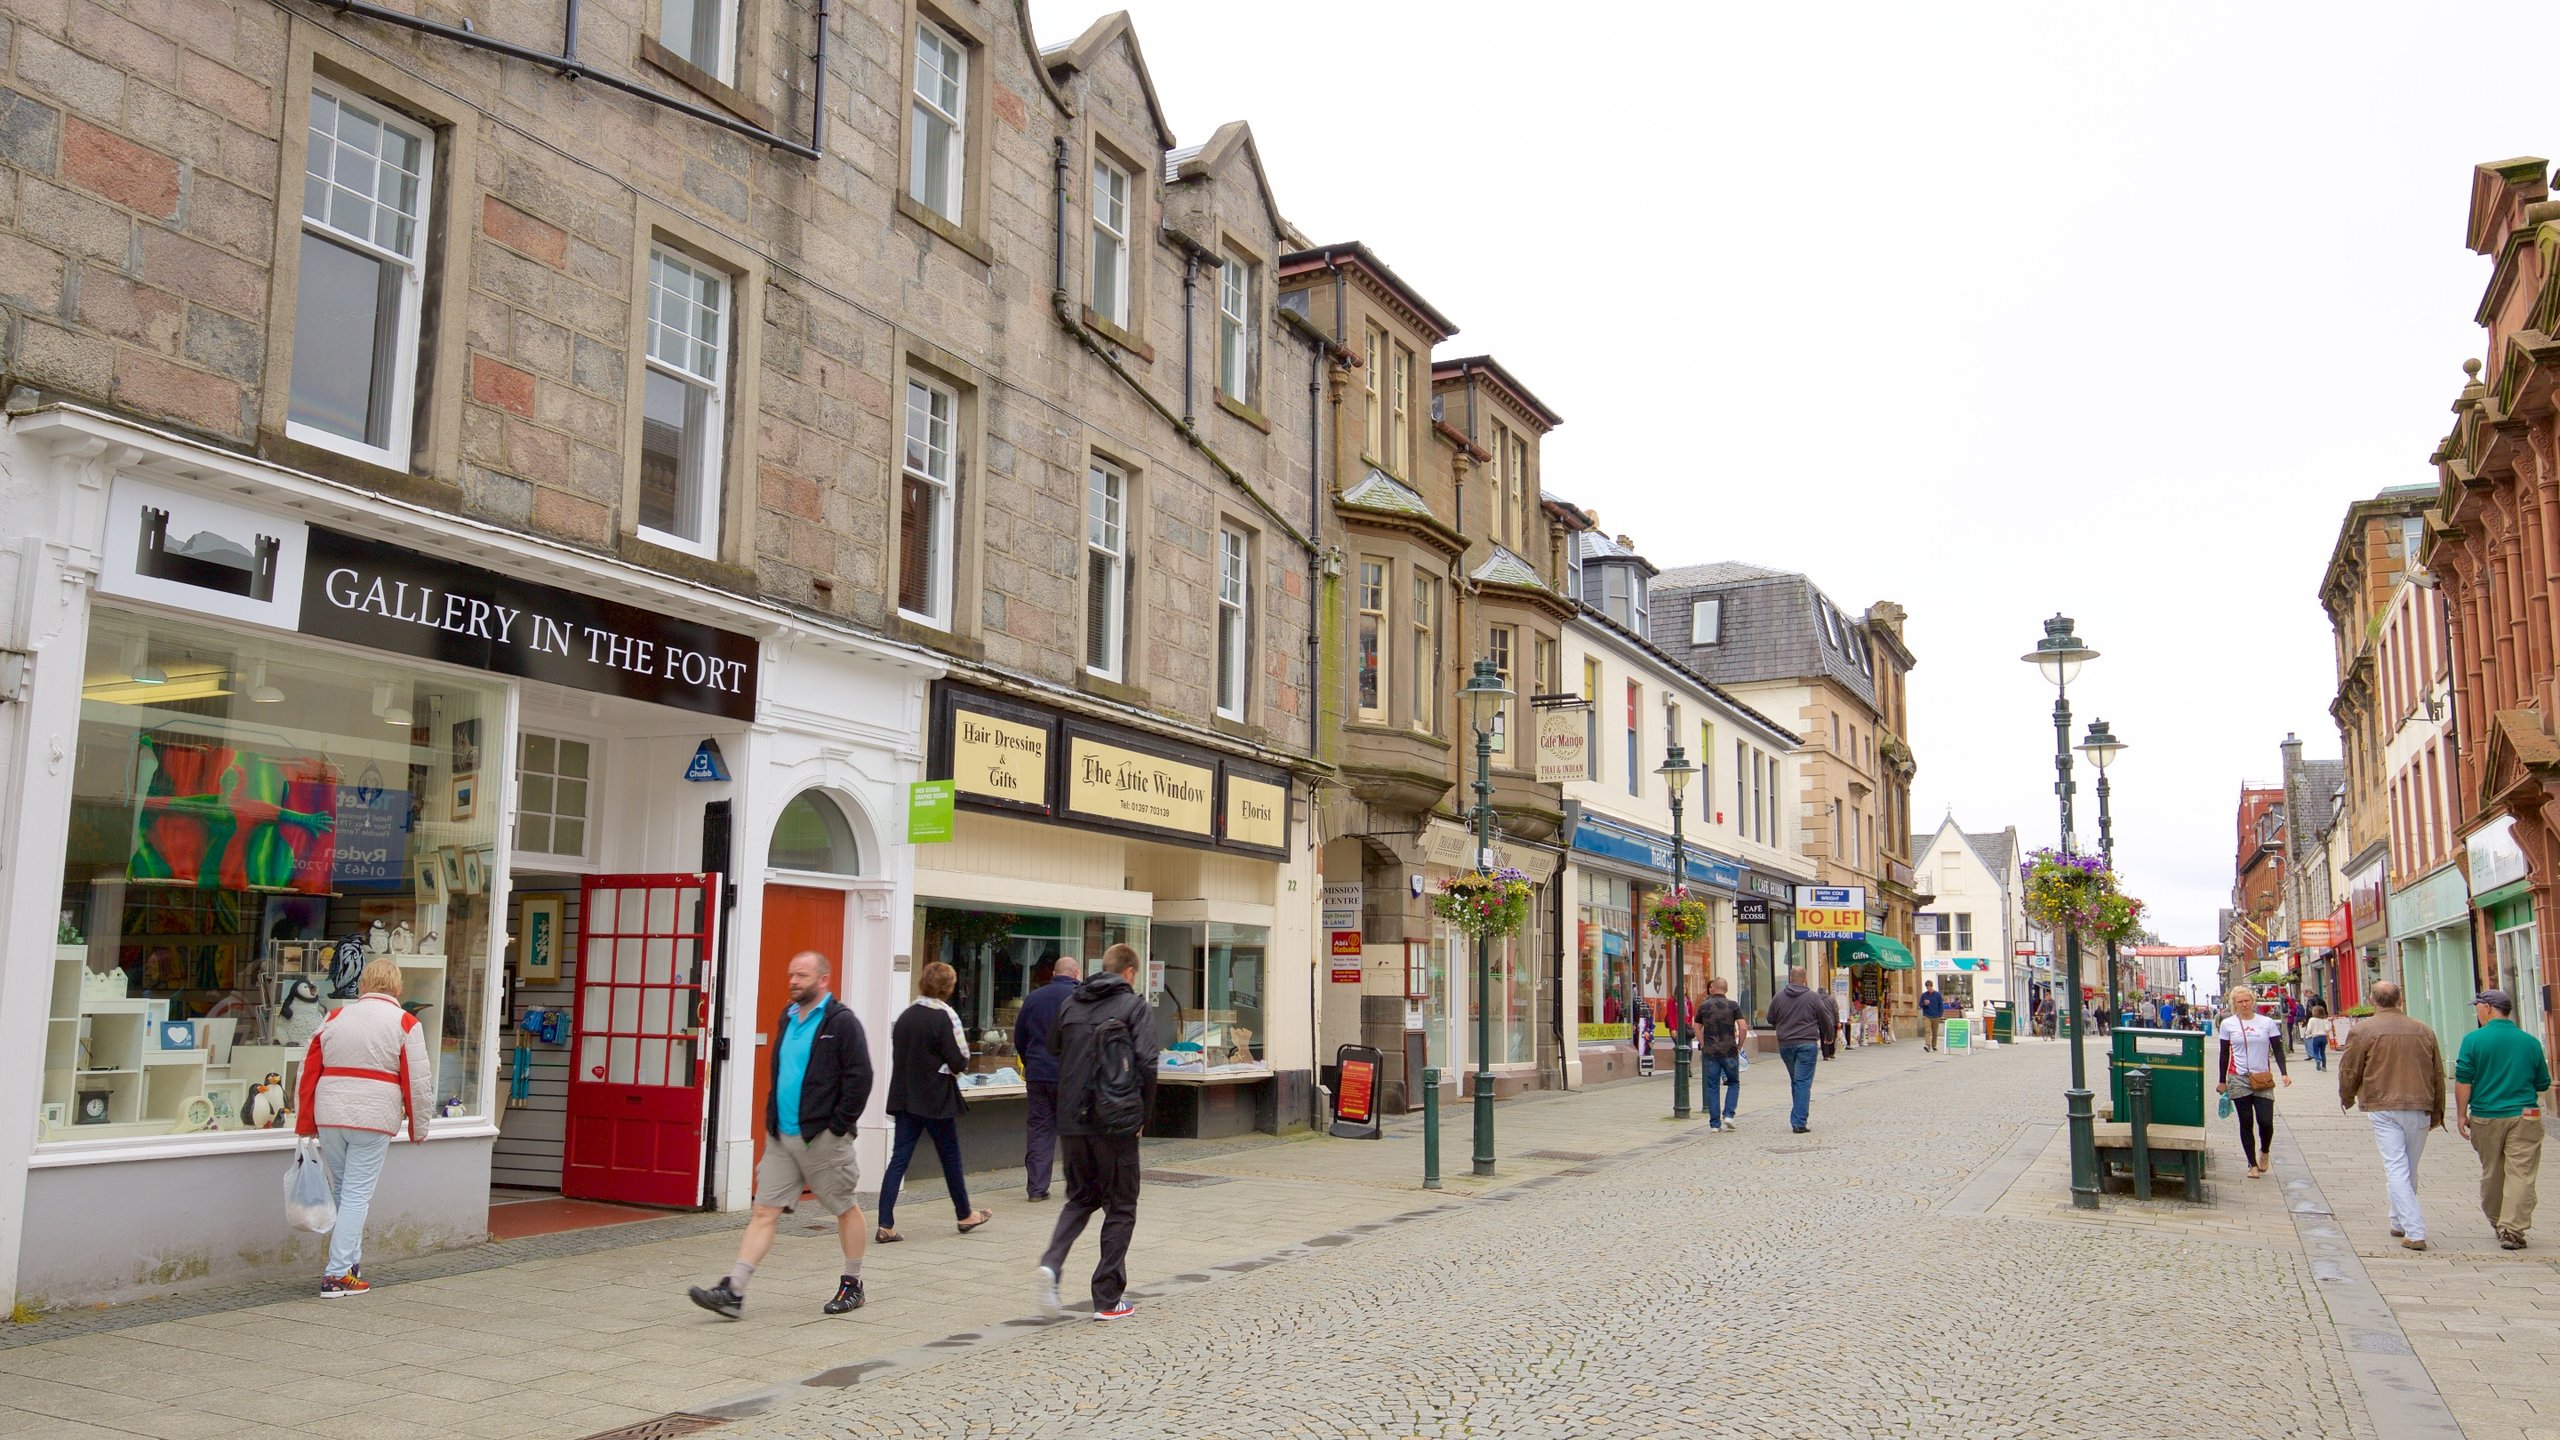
[638, 1091]
[796, 918]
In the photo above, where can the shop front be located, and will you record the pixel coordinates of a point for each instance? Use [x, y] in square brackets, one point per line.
[279, 730]
[2431, 919]
[1511, 1003]
[1070, 835]
[2502, 891]
[1626, 977]
[1763, 942]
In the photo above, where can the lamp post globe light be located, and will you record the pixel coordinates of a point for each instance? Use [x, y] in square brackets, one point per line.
[1676, 773]
[1485, 695]
[2101, 746]
[2059, 656]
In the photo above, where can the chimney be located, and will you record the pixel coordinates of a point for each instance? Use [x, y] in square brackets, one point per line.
[2292, 748]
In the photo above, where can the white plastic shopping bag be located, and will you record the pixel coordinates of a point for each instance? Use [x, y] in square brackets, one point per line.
[307, 1204]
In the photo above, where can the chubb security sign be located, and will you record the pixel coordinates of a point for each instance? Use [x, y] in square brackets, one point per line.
[1831, 912]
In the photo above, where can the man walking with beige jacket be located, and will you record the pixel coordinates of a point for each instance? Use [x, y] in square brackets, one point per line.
[2396, 1071]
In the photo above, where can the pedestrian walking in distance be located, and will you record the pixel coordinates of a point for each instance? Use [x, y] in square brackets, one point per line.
[821, 1074]
[2252, 1058]
[1040, 1074]
[365, 1078]
[928, 1053]
[2499, 1075]
[1933, 1015]
[1106, 1046]
[2316, 1036]
[1722, 1032]
[1802, 1017]
[2396, 1071]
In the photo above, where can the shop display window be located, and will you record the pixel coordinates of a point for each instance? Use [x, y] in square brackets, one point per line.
[1209, 998]
[1607, 949]
[253, 818]
[1515, 987]
[1957, 987]
[1001, 956]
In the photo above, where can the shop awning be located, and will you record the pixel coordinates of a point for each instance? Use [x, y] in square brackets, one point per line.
[1873, 949]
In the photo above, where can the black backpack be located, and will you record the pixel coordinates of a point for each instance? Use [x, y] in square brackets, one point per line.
[1117, 1105]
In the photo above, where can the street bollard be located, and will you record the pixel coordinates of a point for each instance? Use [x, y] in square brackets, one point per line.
[1431, 1129]
[1680, 1076]
[2137, 1104]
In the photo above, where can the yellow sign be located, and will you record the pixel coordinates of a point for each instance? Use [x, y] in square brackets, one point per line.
[1106, 782]
[999, 758]
[1257, 812]
[1811, 921]
[1589, 1031]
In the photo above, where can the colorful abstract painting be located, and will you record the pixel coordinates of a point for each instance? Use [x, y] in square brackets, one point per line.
[221, 818]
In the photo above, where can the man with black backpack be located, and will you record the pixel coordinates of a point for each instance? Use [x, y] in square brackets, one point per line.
[1106, 1048]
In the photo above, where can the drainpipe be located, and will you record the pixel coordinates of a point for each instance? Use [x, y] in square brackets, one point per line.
[817, 80]
[1058, 197]
[1190, 346]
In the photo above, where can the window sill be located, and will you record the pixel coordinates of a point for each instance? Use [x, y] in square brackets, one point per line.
[70, 1150]
[1118, 336]
[915, 210]
[1243, 412]
[290, 450]
[1246, 730]
[719, 92]
[1393, 732]
[901, 626]
[1112, 690]
[640, 550]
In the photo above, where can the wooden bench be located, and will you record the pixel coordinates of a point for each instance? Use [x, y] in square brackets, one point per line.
[2178, 1152]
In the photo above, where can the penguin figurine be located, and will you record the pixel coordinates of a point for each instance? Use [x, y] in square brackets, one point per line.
[265, 1109]
[346, 966]
[299, 1017]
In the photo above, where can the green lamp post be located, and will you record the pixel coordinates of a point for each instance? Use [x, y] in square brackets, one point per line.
[2059, 656]
[1676, 773]
[1486, 695]
[2101, 746]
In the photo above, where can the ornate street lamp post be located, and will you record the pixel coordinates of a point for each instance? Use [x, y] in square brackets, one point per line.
[2102, 747]
[1486, 695]
[1676, 772]
[2059, 656]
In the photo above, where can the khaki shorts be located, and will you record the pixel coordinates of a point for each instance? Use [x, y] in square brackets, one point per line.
[825, 1166]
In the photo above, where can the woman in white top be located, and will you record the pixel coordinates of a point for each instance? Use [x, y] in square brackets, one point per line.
[2253, 1045]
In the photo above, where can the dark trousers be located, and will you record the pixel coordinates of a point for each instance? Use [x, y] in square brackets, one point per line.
[1040, 1138]
[2260, 1110]
[1102, 1174]
[1723, 1088]
[946, 1143]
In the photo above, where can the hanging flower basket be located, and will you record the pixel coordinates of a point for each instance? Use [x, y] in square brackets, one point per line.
[2068, 892]
[1677, 915]
[1485, 903]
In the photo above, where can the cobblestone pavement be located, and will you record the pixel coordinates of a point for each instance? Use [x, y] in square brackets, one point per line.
[1912, 1268]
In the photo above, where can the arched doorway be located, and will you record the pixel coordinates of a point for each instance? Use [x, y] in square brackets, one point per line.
[812, 838]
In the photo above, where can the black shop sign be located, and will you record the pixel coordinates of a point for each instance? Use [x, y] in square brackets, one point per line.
[385, 597]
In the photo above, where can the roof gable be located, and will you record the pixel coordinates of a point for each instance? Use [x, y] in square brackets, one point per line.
[1080, 53]
[1510, 391]
[1230, 144]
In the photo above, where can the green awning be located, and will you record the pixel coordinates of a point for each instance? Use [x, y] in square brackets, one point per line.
[1873, 949]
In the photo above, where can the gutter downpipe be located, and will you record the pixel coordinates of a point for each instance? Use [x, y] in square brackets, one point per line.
[817, 81]
[1190, 343]
[1058, 220]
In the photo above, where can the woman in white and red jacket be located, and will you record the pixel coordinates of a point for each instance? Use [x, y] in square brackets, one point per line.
[365, 1079]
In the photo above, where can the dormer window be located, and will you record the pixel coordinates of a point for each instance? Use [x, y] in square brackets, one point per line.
[1622, 593]
[1706, 619]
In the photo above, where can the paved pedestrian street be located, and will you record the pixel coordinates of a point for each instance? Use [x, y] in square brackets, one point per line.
[1911, 1268]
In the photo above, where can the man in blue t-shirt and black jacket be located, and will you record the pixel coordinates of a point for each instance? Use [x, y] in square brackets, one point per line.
[821, 1085]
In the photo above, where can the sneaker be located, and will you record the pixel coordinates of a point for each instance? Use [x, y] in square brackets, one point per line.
[719, 1299]
[848, 1296]
[1048, 1290]
[1804, 1129]
[2510, 1240]
[1121, 1311]
[333, 1287]
[1732, 1124]
[2397, 1232]
[2413, 1244]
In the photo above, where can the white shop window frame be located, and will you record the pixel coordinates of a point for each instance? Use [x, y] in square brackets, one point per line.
[47, 1154]
[535, 722]
[394, 452]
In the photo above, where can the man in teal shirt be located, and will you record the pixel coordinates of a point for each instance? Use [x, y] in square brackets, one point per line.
[2498, 1079]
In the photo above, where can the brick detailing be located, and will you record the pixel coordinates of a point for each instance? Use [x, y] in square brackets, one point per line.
[522, 233]
[116, 168]
[494, 382]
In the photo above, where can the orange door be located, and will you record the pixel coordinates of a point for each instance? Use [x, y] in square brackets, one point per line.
[795, 919]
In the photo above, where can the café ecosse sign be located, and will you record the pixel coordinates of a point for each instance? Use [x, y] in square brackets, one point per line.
[1011, 756]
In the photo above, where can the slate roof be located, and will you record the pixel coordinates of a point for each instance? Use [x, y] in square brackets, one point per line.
[2320, 781]
[1772, 627]
[1598, 618]
[1597, 546]
[1504, 568]
[1378, 490]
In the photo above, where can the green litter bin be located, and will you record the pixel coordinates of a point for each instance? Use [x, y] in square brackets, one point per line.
[2004, 1022]
[2175, 1059]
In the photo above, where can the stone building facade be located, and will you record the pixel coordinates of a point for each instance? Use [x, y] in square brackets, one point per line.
[917, 364]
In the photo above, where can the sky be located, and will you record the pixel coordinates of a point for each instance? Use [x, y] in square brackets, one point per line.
[1996, 311]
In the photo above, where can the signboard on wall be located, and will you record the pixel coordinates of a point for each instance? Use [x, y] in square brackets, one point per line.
[1831, 912]
[1000, 757]
[1563, 743]
[929, 812]
[1342, 905]
[2317, 935]
[1256, 812]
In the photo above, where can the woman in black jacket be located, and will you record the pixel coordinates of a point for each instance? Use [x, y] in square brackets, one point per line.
[926, 1060]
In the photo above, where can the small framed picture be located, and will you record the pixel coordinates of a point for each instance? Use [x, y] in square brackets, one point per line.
[538, 940]
[449, 867]
[475, 872]
[428, 866]
[227, 1097]
[466, 746]
[56, 1115]
[466, 796]
[177, 1034]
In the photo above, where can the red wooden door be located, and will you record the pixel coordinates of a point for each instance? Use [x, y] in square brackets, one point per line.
[637, 1082]
[795, 919]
